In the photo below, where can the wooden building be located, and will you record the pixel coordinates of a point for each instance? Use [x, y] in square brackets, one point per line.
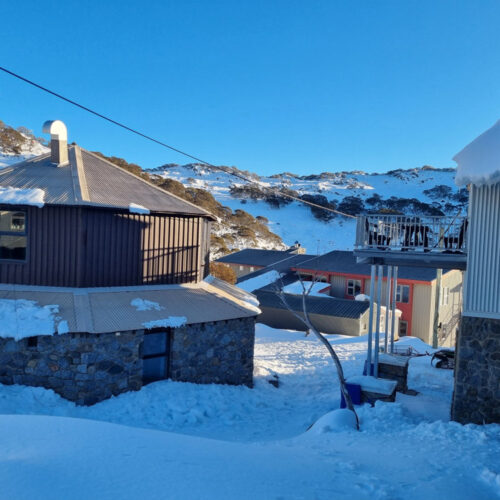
[124, 266]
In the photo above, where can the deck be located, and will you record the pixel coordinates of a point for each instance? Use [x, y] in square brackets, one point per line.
[421, 241]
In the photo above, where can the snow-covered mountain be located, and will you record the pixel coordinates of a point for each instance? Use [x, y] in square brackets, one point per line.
[260, 218]
[424, 190]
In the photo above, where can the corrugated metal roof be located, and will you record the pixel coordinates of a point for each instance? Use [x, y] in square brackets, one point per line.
[328, 306]
[96, 310]
[264, 258]
[91, 180]
[339, 261]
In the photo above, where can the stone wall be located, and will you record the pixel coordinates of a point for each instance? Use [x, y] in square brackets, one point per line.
[476, 398]
[220, 352]
[85, 368]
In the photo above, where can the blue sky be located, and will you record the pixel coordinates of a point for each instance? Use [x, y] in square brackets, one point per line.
[268, 86]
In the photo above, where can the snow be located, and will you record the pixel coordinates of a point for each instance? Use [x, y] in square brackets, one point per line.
[342, 419]
[170, 322]
[318, 289]
[145, 305]
[257, 282]
[179, 440]
[134, 208]
[20, 318]
[372, 384]
[17, 196]
[295, 221]
[479, 162]
[362, 297]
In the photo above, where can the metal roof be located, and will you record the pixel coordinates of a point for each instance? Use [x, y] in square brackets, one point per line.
[105, 310]
[263, 258]
[339, 261]
[327, 306]
[90, 180]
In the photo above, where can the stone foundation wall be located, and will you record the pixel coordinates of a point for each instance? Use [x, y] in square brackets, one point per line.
[476, 398]
[219, 352]
[84, 368]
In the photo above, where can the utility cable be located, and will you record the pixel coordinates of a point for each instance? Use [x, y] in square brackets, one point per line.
[148, 137]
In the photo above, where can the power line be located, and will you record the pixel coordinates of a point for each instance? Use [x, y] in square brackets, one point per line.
[148, 137]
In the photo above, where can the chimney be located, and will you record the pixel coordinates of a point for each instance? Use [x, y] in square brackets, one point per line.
[58, 141]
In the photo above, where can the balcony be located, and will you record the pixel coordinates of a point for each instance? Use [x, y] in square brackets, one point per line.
[423, 241]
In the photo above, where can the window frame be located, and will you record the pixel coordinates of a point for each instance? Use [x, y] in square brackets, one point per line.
[23, 233]
[351, 283]
[445, 296]
[164, 354]
[400, 294]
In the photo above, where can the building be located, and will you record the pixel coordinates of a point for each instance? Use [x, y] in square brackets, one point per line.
[470, 243]
[415, 293]
[476, 396]
[251, 260]
[104, 282]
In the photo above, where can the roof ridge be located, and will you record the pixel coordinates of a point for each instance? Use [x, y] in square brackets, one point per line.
[166, 193]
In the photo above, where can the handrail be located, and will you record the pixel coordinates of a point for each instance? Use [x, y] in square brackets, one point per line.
[443, 234]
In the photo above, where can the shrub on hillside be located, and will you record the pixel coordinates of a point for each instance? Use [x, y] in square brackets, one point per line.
[223, 272]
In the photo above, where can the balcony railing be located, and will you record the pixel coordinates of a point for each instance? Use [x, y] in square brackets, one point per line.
[427, 234]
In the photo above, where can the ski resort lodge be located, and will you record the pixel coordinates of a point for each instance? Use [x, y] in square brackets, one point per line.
[103, 282]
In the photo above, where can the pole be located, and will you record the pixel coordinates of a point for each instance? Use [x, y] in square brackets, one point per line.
[387, 307]
[377, 329]
[393, 325]
[437, 301]
[370, 323]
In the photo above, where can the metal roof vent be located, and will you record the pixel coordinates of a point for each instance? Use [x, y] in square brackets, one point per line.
[58, 141]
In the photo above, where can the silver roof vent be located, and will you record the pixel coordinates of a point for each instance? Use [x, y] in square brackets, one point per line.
[58, 141]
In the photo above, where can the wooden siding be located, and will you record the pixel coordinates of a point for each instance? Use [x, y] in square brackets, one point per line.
[88, 247]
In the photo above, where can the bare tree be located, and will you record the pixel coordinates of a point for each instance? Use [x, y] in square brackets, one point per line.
[304, 318]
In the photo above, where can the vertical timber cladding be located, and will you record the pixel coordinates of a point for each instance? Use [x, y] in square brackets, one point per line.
[52, 254]
[124, 249]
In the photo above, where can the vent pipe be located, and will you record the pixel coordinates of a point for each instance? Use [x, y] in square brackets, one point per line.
[58, 141]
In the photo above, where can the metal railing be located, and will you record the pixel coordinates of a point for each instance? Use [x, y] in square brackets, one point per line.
[446, 234]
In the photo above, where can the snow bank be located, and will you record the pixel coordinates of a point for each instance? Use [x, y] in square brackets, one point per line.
[170, 322]
[259, 281]
[336, 420]
[24, 318]
[145, 305]
[133, 208]
[479, 162]
[17, 196]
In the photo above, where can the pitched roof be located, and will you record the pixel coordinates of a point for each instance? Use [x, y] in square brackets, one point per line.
[327, 306]
[263, 258]
[340, 261]
[89, 180]
[105, 310]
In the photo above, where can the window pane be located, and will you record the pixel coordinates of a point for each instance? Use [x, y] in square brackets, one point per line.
[13, 247]
[154, 343]
[406, 293]
[154, 369]
[12, 221]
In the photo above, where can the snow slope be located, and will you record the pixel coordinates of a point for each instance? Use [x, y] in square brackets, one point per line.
[295, 221]
[226, 442]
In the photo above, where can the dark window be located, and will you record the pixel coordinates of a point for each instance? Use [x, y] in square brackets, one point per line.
[32, 341]
[155, 351]
[403, 294]
[353, 287]
[13, 239]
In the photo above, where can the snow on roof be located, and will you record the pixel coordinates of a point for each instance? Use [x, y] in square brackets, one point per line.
[171, 321]
[145, 305]
[313, 288]
[259, 281]
[479, 162]
[17, 196]
[20, 318]
[133, 208]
